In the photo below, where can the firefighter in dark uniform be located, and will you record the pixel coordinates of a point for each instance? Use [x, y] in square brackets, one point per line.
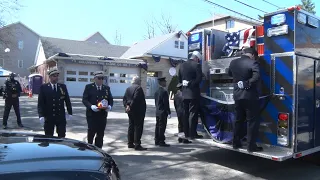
[11, 95]
[190, 76]
[246, 76]
[162, 112]
[135, 104]
[94, 94]
[51, 100]
[178, 105]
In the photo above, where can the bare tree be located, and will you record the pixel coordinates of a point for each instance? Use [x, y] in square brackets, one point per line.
[117, 38]
[165, 24]
[150, 29]
[8, 9]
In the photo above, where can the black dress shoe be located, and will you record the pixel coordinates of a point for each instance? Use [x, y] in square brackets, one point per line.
[180, 140]
[156, 143]
[198, 136]
[186, 141]
[5, 127]
[236, 145]
[20, 125]
[140, 148]
[255, 149]
[131, 146]
[163, 144]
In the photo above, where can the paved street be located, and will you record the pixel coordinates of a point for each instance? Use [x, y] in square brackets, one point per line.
[195, 161]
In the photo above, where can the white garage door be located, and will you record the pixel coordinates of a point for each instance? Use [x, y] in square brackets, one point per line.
[120, 79]
[78, 76]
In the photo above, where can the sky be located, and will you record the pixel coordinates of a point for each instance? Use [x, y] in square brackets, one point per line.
[78, 19]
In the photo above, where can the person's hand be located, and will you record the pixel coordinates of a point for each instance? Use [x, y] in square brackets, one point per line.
[94, 108]
[41, 120]
[127, 108]
[185, 83]
[68, 117]
[109, 108]
[240, 85]
[169, 116]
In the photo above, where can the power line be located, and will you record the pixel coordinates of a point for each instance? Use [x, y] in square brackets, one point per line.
[272, 4]
[250, 6]
[210, 2]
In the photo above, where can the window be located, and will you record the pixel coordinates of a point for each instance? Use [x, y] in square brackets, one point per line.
[91, 73]
[176, 44]
[1, 62]
[20, 45]
[181, 45]
[91, 79]
[82, 79]
[229, 24]
[83, 73]
[20, 63]
[72, 72]
[111, 74]
[122, 75]
[71, 79]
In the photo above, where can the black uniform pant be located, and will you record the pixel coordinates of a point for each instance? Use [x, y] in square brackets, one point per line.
[60, 125]
[9, 102]
[161, 125]
[180, 123]
[247, 110]
[96, 127]
[135, 129]
[191, 117]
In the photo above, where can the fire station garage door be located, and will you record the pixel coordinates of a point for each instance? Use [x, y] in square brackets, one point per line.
[120, 79]
[78, 76]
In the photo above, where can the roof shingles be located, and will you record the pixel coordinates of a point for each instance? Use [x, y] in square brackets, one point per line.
[53, 46]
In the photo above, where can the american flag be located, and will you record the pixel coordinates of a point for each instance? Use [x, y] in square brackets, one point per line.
[239, 40]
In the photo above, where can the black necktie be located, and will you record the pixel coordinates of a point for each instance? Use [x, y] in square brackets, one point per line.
[54, 88]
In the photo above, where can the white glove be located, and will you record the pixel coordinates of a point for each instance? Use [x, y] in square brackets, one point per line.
[68, 117]
[109, 108]
[240, 85]
[169, 116]
[94, 108]
[41, 120]
[185, 83]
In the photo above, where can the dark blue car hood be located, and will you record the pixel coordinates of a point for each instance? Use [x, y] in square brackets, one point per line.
[23, 152]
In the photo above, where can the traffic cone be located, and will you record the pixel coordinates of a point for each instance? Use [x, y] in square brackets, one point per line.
[30, 94]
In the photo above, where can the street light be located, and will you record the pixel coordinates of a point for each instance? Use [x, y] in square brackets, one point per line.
[7, 50]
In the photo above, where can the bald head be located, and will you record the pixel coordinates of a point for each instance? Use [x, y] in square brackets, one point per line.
[136, 80]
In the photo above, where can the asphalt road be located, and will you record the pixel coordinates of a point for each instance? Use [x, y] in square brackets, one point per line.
[195, 161]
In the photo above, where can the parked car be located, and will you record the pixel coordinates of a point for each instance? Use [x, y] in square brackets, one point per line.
[30, 156]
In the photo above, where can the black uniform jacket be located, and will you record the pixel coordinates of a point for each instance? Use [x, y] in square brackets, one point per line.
[51, 104]
[91, 96]
[162, 102]
[246, 70]
[178, 103]
[135, 98]
[190, 71]
[12, 89]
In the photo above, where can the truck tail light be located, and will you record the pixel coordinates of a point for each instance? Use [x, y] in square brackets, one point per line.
[283, 129]
[283, 116]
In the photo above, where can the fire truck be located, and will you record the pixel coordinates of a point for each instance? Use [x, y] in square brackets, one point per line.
[288, 45]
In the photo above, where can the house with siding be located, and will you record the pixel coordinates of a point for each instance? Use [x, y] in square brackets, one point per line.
[163, 54]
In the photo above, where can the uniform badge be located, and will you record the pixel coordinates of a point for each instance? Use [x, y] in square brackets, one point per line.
[62, 92]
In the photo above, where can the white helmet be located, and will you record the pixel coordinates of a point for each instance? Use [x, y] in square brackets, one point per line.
[196, 54]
